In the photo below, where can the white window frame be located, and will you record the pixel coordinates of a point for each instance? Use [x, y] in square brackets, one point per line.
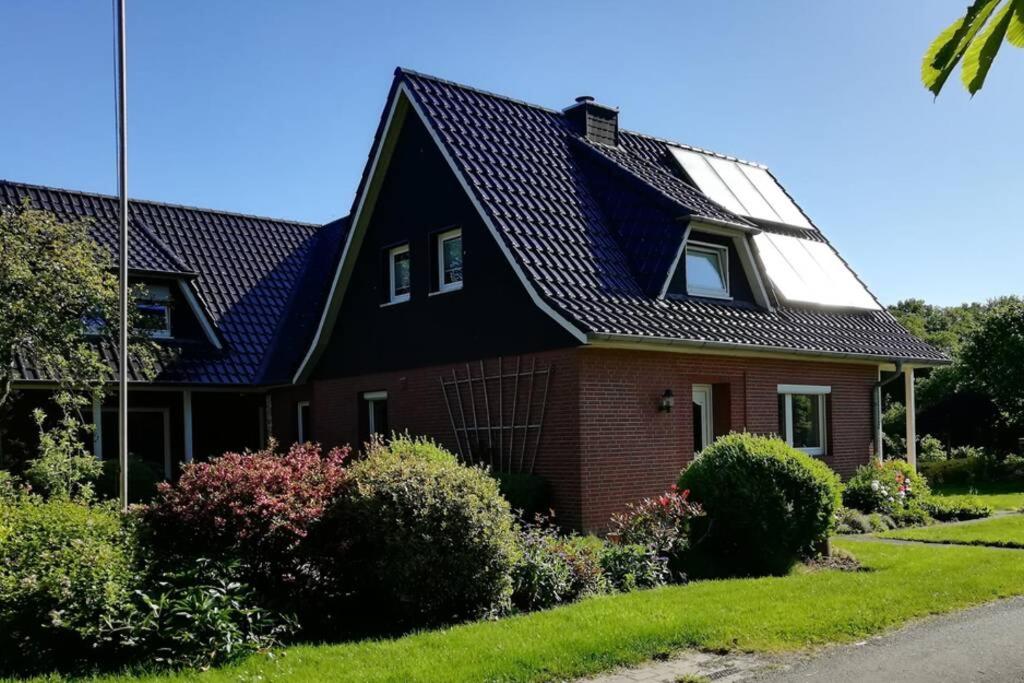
[373, 397]
[393, 297]
[788, 391]
[721, 252]
[441, 239]
[298, 420]
[159, 296]
[706, 403]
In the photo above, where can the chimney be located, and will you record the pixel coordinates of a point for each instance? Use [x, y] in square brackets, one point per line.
[597, 122]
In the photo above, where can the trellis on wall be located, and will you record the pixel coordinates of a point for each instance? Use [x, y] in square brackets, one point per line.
[497, 415]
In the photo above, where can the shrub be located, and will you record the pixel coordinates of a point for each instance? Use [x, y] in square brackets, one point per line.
[64, 567]
[887, 487]
[955, 510]
[420, 538]
[914, 514]
[63, 467]
[661, 523]
[930, 449]
[850, 521]
[254, 507]
[198, 616]
[142, 480]
[526, 493]
[8, 487]
[553, 569]
[767, 504]
[629, 566]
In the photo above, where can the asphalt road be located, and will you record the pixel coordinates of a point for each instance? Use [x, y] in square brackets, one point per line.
[977, 646]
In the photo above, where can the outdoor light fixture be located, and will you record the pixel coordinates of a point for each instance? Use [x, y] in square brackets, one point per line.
[667, 401]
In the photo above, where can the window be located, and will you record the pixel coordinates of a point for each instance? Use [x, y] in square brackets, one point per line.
[302, 421]
[707, 270]
[155, 307]
[399, 278]
[449, 261]
[376, 412]
[703, 424]
[802, 417]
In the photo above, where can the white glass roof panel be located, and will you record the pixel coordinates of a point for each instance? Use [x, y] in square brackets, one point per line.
[742, 188]
[697, 167]
[811, 272]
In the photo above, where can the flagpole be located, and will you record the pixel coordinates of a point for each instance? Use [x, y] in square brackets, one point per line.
[122, 196]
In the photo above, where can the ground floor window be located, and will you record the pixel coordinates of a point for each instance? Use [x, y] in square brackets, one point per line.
[149, 436]
[302, 421]
[375, 414]
[802, 416]
[703, 421]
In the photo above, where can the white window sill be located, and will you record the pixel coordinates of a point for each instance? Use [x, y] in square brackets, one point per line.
[447, 290]
[395, 302]
[709, 295]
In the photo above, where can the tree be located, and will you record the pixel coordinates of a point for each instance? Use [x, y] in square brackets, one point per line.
[992, 360]
[58, 303]
[974, 39]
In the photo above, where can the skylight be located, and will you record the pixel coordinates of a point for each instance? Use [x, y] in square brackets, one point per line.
[744, 189]
[811, 272]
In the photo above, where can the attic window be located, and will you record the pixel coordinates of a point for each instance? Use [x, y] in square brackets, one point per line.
[155, 308]
[707, 270]
[449, 261]
[399, 274]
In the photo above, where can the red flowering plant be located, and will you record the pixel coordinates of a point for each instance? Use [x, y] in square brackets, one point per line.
[661, 523]
[257, 508]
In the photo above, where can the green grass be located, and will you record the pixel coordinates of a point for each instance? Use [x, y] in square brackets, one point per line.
[769, 614]
[1001, 495]
[1006, 532]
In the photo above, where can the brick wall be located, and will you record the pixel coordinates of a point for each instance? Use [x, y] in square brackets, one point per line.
[416, 403]
[630, 449]
[604, 442]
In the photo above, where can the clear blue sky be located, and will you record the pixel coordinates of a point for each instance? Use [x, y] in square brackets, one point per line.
[270, 107]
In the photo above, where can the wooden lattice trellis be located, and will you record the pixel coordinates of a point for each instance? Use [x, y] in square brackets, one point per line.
[498, 418]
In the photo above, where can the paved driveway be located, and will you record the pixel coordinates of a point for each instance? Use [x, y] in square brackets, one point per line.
[978, 646]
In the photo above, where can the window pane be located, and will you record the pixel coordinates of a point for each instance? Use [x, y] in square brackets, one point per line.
[154, 317]
[452, 251]
[400, 264]
[806, 421]
[378, 417]
[704, 270]
[782, 416]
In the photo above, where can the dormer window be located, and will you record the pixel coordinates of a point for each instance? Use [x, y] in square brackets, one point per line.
[707, 270]
[399, 274]
[154, 305]
[449, 261]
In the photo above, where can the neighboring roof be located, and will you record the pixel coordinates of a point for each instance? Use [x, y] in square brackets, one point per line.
[248, 272]
[534, 177]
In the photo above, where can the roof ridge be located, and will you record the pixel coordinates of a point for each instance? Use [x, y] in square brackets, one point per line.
[153, 202]
[402, 71]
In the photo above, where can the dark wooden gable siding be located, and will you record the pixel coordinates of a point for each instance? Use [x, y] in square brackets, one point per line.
[491, 315]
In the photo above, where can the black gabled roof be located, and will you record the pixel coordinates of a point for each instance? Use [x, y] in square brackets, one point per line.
[255, 277]
[594, 254]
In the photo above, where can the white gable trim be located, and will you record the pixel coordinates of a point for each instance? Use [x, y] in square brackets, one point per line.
[400, 105]
[200, 313]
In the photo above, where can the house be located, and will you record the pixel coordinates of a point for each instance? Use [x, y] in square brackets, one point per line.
[541, 290]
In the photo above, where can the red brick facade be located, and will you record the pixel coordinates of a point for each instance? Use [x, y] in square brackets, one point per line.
[604, 442]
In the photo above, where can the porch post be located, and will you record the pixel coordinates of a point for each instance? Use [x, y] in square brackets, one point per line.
[97, 428]
[908, 383]
[186, 404]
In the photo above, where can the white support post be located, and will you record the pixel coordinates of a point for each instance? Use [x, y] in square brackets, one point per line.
[186, 404]
[908, 383]
[97, 428]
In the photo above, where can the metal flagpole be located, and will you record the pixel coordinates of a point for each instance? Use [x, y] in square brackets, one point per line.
[122, 177]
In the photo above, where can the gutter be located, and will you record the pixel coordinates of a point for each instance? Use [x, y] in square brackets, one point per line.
[876, 406]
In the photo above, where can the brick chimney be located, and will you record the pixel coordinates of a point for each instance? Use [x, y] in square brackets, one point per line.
[598, 122]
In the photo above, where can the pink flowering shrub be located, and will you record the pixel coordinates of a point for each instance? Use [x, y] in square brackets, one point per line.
[661, 523]
[889, 487]
[254, 507]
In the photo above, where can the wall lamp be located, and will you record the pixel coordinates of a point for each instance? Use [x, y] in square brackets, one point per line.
[668, 400]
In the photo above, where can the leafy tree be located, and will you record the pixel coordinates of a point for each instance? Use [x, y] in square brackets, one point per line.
[58, 305]
[974, 39]
[992, 360]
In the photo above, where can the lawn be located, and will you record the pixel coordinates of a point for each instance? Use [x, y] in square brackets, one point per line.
[1001, 495]
[769, 614]
[1006, 531]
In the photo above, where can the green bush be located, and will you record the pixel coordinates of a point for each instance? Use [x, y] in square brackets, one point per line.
[970, 465]
[64, 567]
[956, 510]
[528, 494]
[8, 487]
[914, 514]
[197, 616]
[554, 569]
[420, 538]
[629, 566]
[766, 503]
[887, 487]
[930, 449]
